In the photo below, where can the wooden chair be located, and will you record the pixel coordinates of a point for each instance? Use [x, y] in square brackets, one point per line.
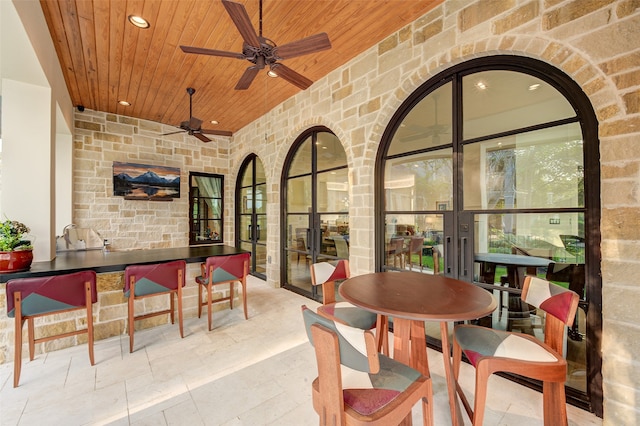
[490, 351]
[326, 275]
[223, 270]
[395, 251]
[375, 389]
[415, 247]
[30, 298]
[142, 281]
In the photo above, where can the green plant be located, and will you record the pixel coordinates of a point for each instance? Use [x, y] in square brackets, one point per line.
[12, 236]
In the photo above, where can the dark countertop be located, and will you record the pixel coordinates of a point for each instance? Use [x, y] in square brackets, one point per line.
[114, 261]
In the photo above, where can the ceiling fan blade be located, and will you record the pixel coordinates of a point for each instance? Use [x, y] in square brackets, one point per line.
[247, 78]
[172, 133]
[211, 52]
[216, 132]
[241, 19]
[311, 44]
[291, 76]
[195, 123]
[202, 137]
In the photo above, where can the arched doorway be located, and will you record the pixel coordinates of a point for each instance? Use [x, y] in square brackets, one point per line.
[251, 211]
[499, 155]
[315, 200]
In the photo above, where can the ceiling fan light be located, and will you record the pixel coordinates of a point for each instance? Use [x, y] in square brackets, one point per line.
[138, 21]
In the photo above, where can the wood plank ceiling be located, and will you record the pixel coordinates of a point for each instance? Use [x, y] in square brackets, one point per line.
[105, 59]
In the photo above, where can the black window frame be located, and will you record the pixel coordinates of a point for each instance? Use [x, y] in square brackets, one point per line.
[195, 221]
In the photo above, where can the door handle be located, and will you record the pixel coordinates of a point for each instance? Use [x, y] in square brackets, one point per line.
[258, 232]
[463, 251]
[447, 254]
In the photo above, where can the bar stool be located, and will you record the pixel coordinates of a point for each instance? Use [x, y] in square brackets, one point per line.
[223, 270]
[141, 281]
[29, 298]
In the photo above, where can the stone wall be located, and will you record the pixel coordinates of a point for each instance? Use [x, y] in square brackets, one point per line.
[100, 139]
[595, 42]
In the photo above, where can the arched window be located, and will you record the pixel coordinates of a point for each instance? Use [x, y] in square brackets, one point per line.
[494, 164]
[315, 200]
[251, 209]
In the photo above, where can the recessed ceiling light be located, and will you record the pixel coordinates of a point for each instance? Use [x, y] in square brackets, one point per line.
[124, 103]
[138, 21]
[272, 74]
[214, 122]
[534, 86]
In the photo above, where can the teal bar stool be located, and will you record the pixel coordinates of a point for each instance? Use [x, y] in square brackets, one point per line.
[142, 281]
[30, 298]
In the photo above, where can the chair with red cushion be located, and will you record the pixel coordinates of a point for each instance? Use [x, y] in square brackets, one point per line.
[223, 270]
[491, 351]
[142, 281]
[326, 274]
[356, 385]
[29, 298]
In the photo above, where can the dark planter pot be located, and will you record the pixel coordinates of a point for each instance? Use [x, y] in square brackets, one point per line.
[15, 261]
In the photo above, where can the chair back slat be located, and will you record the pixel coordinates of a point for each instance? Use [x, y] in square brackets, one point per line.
[154, 278]
[552, 298]
[227, 268]
[353, 351]
[326, 272]
[50, 294]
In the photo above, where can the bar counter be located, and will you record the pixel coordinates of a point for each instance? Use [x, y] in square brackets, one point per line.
[114, 261]
[110, 312]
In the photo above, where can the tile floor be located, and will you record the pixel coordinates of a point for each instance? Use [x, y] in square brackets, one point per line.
[255, 372]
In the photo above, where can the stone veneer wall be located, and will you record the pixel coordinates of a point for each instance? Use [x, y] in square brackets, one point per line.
[99, 140]
[596, 42]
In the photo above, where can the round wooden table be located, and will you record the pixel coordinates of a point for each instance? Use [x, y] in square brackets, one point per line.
[412, 298]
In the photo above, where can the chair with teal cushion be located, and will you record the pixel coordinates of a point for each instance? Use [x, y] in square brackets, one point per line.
[326, 274]
[144, 281]
[491, 351]
[223, 270]
[29, 298]
[356, 384]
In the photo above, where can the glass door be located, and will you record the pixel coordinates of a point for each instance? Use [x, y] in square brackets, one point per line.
[251, 199]
[316, 219]
[488, 166]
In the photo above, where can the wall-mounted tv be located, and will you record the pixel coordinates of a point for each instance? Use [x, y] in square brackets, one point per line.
[144, 182]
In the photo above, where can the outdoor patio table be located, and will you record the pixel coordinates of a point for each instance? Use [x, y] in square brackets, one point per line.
[412, 298]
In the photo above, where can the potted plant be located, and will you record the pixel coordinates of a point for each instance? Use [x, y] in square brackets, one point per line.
[15, 248]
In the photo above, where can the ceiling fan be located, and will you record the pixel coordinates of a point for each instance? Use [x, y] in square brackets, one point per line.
[262, 52]
[193, 126]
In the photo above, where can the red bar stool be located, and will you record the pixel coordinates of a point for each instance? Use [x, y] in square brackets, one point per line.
[29, 298]
[143, 281]
[223, 270]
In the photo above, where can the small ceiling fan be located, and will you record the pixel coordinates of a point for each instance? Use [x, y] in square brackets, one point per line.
[262, 52]
[193, 126]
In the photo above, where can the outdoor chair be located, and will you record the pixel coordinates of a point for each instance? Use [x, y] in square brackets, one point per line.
[415, 247]
[356, 385]
[325, 274]
[395, 251]
[30, 298]
[143, 281]
[219, 270]
[491, 351]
